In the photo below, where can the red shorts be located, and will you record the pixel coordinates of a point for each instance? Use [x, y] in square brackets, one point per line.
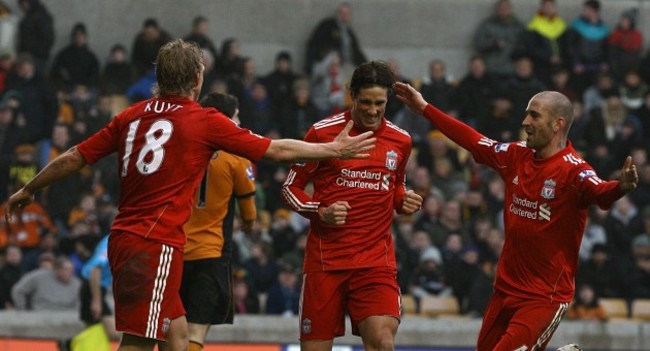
[513, 323]
[362, 293]
[146, 283]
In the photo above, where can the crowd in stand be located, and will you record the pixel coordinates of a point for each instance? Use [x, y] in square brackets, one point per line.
[50, 101]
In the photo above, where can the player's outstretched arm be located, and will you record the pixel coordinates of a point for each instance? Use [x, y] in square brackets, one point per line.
[67, 163]
[629, 176]
[343, 146]
[410, 97]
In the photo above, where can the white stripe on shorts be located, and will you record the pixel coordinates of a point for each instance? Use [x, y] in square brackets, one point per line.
[551, 327]
[164, 263]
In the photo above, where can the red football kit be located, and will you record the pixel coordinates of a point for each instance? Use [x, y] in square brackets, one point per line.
[343, 263]
[164, 146]
[546, 202]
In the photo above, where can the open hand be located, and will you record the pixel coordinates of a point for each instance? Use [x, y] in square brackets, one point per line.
[18, 201]
[410, 97]
[353, 146]
[629, 176]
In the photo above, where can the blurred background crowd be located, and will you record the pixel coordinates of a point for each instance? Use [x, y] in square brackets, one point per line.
[49, 101]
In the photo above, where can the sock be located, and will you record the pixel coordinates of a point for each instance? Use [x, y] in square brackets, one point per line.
[195, 346]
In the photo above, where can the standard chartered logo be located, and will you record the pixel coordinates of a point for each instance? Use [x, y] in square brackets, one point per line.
[363, 179]
[526, 208]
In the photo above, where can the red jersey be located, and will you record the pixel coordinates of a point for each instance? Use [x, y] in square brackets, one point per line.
[546, 201]
[164, 147]
[373, 187]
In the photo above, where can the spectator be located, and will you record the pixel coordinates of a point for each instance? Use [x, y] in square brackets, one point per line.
[45, 289]
[47, 251]
[37, 100]
[279, 83]
[480, 291]
[394, 106]
[262, 267]
[10, 274]
[587, 45]
[437, 88]
[8, 30]
[118, 74]
[35, 33]
[637, 269]
[335, 34]
[25, 227]
[633, 91]
[594, 234]
[199, 35]
[560, 83]
[502, 123]
[451, 221]
[601, 272]
[22, 166]
[544, 40]
[300, 112]
[522, 86]
[146, 45]
[474, 92]
[496, 38]
[230, 61]
[142, 88]
[76, 64]
[622, 223]
[60, 198]
[284, 297]
[586, 306]
[13, 132]
[244, 300]
[327, 85]
[429, 278]
[595, 95]
[284, 237]
[624, 45]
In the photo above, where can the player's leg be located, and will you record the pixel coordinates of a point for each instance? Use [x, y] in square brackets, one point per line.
[374, 305]
[177, 337]
[322, 310]
[132, 342]
[532, 325]
[206, 292]
[378, 333]
[197, 334]
[146, 281]
[495, 321]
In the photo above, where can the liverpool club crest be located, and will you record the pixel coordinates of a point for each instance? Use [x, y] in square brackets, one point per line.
[548, 191]
[391, 160]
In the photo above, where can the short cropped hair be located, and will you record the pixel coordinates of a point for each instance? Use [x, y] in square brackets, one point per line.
[225, 103]
[369, 74]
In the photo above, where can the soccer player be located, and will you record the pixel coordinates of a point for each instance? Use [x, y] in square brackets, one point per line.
[206, 289]
[164, 146]
[548, 190]
[349, 264]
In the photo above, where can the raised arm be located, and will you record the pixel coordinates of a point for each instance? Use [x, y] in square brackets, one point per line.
[62, 166]
[344, 146]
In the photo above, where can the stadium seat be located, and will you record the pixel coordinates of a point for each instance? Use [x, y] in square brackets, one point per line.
[409, 305]
[439, 306]
[641, 309]
[615, 308]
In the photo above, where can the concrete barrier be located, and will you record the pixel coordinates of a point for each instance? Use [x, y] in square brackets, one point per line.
[414, 331]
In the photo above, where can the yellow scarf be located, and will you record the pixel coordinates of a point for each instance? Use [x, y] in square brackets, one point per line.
[550, 28]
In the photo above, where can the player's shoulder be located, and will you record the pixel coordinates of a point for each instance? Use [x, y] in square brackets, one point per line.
[334, 122]
[390, 126]
[503, 147]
